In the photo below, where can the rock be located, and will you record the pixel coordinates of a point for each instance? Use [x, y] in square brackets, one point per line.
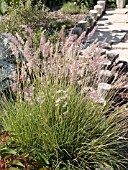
[94, 14]
[123, 67]
[103, 88]
[103, 52]
[99, 8]
[77, 30]
[102, 3]
[83, 25]
[112, 56]
[90, 20]
[7, 61]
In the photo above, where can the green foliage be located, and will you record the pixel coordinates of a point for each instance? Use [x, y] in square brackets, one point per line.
[12, 155]
[88, 3]
[73, 8]
[70, 8]
[111, 4]
[3, 7]
[5, 4]
[54, 118]
[51, 3]
[22, 15]
[78, 134]
[38, 20]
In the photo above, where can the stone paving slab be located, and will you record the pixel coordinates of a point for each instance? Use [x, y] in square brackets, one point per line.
[119, 27]
[121, 45]
[115, 22]
[117, 11]
[121, 11]
[123, 54]
[114, 26]
[122, 58]
[118, 18]
[110, 11]
[110, 37]
[105, 17]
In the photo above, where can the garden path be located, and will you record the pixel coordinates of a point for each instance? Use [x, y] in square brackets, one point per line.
[113, 26]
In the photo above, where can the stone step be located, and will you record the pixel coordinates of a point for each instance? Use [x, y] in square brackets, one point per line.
[117, 11]
[118, 18]
[123, 54]
[122, 27]
[94, 14]
[99, 8]
[121, 45]
[110, 37]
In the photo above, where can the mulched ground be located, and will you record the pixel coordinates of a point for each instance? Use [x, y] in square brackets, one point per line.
[74, 18]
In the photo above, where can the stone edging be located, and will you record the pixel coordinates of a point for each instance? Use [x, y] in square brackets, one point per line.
[90, 20]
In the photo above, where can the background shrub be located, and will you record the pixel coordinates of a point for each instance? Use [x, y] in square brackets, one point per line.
[50, 3]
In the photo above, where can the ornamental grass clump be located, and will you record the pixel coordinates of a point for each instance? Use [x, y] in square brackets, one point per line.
[54, 115]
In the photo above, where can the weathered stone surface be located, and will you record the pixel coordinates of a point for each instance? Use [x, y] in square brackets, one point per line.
[103, 88]
[110, 37]
[114, 27]
[7, 61]
[119, 18]
[112, 56]
[121, 11]
[119, 26]
[123, 58]
[99, 8]
[102, 3]
[105, 17]
[110, 11]
[77, 30]
[116, 11]
[123, 54]
[125, 39]
[121, 45]
[94, 14]
[104, 65]
[6, 69]
[90, 20]
[83, 25]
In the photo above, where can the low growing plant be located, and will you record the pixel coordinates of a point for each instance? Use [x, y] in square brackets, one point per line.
[73, 8]
[70, 8]
[12, 155]
[55, 115]
[24, 14]
[37, 18]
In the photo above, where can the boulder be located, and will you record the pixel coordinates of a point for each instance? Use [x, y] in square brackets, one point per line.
[7, 61]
